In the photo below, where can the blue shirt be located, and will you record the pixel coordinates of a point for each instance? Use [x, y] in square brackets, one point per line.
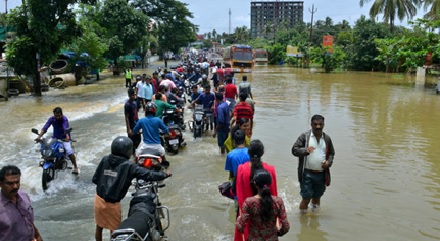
[235, 158]
[147, 91]
[59, 126]
[223, 118]
[205, 99]
[150, 129]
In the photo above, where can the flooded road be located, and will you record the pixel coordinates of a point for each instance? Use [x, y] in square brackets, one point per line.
[385, 179]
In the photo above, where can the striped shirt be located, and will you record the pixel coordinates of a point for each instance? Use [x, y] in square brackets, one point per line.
[243, 110]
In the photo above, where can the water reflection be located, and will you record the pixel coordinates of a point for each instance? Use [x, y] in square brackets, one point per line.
[309, 229]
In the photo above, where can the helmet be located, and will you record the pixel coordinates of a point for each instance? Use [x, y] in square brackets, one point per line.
[150, 107]
[122, 146]
[204, 76]
[167, 86]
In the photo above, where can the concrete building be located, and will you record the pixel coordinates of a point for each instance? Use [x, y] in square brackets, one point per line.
[267, 15]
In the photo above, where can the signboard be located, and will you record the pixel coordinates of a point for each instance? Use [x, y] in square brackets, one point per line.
[292, 51]
[327, 41]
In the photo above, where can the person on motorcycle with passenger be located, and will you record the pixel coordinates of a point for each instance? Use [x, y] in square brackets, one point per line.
[168, 81]
[60, 124]
[150, 125]
[195, 75]
[113, 178]
[161, 105]
[171, 97]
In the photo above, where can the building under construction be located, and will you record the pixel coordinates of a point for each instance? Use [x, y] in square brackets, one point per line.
[266, 16]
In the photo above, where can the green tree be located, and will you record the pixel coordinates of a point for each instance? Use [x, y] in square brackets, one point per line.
[125, 27]
[174, 28]
[277, 53]
[392, 9]
[362, 51]
[41, 28]
[241, 35]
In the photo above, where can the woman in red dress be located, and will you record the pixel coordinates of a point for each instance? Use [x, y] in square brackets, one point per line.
[243, 181]
[263, 211]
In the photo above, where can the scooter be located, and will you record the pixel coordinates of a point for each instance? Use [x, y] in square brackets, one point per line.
[147, 218]
[54, 158]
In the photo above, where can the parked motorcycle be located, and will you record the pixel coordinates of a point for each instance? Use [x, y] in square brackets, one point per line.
[54, 158]
[147, 218]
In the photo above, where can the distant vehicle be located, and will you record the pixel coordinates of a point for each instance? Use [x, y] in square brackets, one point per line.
[261, 57]
[239, 58]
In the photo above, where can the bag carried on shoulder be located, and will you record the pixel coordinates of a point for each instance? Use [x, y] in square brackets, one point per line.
[225, 189]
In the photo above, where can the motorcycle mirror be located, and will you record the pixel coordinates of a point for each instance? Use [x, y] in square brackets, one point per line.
[35, 131]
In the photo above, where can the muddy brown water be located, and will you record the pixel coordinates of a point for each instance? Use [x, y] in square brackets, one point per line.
[385, 179]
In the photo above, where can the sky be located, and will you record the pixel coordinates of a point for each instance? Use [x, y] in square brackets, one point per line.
[213, 14]
[210, 14]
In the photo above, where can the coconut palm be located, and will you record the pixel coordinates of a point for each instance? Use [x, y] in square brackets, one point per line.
[392, 9]
[434, 9]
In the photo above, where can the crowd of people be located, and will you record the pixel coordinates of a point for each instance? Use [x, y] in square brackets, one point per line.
[260, 213]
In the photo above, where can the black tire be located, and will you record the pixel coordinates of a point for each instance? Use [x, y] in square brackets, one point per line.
[48, 176]
[197, 133]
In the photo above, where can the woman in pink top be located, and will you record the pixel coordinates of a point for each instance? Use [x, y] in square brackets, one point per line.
[245, 173]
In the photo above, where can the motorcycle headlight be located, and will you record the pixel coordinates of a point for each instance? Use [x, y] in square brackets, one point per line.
[46, 152]
[198, 116]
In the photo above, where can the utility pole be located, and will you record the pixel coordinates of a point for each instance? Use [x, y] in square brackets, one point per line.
[229, 21]
[311, 22]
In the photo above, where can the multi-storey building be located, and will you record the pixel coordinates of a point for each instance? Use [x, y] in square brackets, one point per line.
[266, 16]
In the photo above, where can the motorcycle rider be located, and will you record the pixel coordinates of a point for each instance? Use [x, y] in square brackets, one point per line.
[60, 124]
[113, 177]
[171, 97]
[203, 81]
[150, 126]
[207, 100]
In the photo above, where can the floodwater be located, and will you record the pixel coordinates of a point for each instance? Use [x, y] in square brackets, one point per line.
[385, 178]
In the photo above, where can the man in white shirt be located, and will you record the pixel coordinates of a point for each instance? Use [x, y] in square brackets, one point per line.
[315, 152]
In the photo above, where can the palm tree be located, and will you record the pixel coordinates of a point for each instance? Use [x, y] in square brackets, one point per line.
[392, 9]
[434, 8]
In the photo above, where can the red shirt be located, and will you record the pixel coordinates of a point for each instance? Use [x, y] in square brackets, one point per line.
[243, 110]
[230, 91]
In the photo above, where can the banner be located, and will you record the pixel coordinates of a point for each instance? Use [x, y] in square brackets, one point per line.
[327, 41]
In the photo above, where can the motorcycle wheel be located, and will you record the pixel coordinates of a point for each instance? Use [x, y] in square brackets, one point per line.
[171, 150]
[197, 133]
[48, 176]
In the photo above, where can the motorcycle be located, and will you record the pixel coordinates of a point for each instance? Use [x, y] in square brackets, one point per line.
[196, 125]
[202, 120]
[147, 218]
[54, 158]
[172, 119]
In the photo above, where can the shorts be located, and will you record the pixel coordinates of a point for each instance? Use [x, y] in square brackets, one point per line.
[68, 148]
[312, 184]
[221, 138]
[107, 215]
[155, 149]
